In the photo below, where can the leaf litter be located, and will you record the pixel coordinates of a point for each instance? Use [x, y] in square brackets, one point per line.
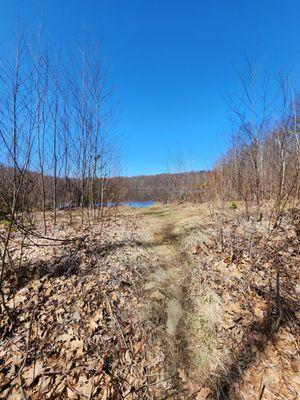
[86, 337]
[82, 304]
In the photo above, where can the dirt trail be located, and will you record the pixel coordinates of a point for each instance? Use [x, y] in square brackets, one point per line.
[168, 276]
[164, 294]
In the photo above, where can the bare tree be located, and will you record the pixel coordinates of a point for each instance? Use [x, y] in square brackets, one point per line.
[16, 134]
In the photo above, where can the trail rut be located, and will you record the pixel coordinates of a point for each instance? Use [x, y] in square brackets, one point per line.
[164, 294]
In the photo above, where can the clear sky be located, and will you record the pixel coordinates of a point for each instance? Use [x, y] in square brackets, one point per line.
[170, 62]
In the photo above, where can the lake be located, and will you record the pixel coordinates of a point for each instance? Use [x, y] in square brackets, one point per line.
[138, 204]
[134, 204]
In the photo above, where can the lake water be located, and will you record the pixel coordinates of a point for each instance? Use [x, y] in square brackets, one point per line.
[134, 204]
[138, 204]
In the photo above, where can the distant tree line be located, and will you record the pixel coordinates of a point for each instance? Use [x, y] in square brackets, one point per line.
[165, 188]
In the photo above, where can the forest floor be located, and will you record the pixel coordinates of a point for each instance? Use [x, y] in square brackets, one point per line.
[165, 302]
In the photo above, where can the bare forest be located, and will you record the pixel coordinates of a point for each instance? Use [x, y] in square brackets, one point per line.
[195, 297]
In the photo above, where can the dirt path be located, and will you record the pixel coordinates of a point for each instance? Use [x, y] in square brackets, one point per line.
[167, 250]
[165, 297]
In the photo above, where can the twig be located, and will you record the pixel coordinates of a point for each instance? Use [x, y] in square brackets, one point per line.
[21, 387]
[278, 300]
[116, 322]
[262, 392]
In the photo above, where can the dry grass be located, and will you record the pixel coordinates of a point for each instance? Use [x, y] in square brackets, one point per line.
[205, 355]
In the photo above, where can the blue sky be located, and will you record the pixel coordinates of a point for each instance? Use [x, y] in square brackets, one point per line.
[170, 63]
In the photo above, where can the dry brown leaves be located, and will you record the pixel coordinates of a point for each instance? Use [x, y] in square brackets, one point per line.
[262, 347]
[86, 338]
